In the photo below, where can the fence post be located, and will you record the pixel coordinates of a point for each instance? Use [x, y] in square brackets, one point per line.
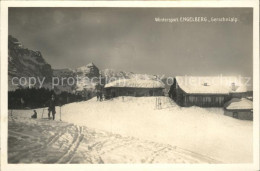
[60, 113]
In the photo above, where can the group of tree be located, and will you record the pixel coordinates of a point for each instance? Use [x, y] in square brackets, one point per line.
[38, 97]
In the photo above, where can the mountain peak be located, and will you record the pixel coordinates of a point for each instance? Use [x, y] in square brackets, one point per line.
[86, 67]
[90, 70]
[90, 64]
[14, 43]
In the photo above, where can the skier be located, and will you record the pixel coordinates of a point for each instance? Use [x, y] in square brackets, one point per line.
[34, 116]
[51, 108]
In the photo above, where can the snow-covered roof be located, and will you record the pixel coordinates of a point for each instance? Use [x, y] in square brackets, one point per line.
[210, 85]
[135, 83]
[235, 104]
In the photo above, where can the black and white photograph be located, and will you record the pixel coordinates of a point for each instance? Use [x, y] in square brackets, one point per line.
[130, 85]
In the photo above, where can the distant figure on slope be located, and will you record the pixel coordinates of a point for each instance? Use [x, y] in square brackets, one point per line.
[34, 116]
[51, 108]
[100, 96]
[99, 92]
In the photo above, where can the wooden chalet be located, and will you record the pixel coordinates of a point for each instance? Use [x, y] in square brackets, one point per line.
[134, 87]
[239, 108]
[205, 91]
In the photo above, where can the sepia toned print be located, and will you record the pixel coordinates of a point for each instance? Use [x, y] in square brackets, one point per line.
[130, 85]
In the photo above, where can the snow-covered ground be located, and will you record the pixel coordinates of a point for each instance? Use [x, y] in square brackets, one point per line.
[202, 130]
[131, 130]
[47, 141]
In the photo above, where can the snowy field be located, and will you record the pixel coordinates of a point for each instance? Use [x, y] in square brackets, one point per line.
[47, 141]
[130, 130]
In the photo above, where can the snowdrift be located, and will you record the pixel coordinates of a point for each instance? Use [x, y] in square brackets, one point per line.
[202, 130]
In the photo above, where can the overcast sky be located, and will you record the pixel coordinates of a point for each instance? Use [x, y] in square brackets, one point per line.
[129, 39]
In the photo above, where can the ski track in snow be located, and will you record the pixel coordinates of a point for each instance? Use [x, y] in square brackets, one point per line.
[67, 157]
[102, 132]
[47, 141]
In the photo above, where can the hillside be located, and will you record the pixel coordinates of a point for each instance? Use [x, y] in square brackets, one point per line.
[201, 130]
[23, 62]
[43, 141]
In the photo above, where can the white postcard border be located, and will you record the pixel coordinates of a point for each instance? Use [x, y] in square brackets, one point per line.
[4, 87]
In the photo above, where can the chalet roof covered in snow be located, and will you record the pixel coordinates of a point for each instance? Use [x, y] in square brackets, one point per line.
[135, 83]
[239, 104]
[210, 85]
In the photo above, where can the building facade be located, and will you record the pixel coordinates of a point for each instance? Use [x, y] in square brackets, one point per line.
[239, 109]
[133, 87]
[204, 91]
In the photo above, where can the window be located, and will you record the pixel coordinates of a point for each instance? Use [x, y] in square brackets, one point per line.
[151, 92]
[235, 115]
[191, 98]
[219, 100]
[206, 99]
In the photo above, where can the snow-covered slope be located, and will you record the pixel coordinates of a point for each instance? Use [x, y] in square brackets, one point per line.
[46, 141]
[202, 130]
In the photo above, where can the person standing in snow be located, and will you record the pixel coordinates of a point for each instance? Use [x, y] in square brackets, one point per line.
[51, 108]
[100, 96]
[97, 95]
[98, 91]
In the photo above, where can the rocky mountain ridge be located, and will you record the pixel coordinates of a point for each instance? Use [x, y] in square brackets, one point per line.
[23, 62]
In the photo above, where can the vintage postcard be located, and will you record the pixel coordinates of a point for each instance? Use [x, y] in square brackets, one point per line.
[140, 85]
